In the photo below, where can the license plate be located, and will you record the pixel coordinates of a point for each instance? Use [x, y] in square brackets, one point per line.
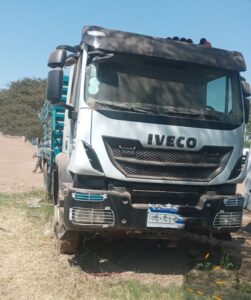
[164, 216]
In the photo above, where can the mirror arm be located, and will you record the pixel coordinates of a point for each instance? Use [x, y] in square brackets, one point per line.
[69, 107]
[71, 59]
[66, 106]
[73, 49]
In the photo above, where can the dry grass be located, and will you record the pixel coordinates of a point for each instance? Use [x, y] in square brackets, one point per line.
[16, 166]
[30, 267]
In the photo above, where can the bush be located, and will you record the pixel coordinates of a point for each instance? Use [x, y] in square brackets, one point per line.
[20, 105]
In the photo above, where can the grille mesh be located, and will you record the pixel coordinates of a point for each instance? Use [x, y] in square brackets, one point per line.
[169, 155]
[136, 161]
[158, 171]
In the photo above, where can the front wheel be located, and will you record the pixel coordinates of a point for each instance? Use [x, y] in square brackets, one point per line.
[65, 243]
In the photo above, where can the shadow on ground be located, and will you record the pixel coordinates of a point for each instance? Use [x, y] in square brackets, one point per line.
[107, 256]
[247, 228]
[103, 256]
[135, 255]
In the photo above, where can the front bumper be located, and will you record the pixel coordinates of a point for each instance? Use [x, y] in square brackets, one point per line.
[105, 211]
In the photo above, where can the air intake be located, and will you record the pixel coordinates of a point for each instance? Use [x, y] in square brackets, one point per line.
[90, 216]
[93, 159]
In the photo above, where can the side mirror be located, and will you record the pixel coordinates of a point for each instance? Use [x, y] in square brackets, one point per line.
[54, 85]
[246, 109]
[57, 58]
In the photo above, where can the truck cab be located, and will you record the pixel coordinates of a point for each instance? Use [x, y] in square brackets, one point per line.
[152, 137]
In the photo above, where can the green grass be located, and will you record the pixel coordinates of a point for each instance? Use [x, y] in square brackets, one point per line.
[21, 202]
[135, 290]
[223, 284]
[223, 262]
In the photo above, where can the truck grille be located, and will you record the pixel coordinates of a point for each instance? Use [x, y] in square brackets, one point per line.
[133, 160]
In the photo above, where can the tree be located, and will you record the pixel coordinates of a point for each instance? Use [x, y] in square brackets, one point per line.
[20, 105]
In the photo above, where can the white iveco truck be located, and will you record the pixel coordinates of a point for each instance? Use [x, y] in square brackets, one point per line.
[152, 137]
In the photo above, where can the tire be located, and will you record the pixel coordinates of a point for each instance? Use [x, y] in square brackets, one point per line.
[47, 181]
[65, 245]
[68, 247]
[67, 242]
[55, 186]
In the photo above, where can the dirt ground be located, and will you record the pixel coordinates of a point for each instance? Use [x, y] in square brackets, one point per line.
[16, 165]
[30, 267]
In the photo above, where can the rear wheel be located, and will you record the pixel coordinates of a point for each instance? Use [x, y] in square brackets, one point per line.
[47, 180]
[55, 187]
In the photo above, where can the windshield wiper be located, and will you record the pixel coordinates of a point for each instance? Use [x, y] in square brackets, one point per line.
[145, 109]
[125, 107]
[192, 112]
[210, 115]
[198, 115]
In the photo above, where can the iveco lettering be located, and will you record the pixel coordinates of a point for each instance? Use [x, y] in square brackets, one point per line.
[171, 141]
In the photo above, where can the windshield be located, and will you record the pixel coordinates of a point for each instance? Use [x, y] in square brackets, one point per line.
[127, 83]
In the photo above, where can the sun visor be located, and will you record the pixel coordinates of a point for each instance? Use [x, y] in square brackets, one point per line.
[131, 43]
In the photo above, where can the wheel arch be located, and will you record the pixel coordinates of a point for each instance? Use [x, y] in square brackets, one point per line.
[61, 175]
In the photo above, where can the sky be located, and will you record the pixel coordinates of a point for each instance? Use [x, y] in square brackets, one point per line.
[31, 29]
